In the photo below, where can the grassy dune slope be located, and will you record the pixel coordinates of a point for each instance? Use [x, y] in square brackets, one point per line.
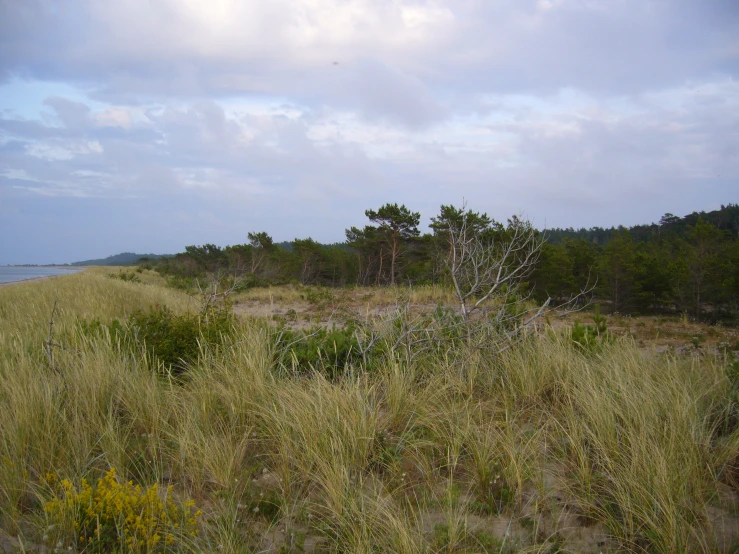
[542, 449]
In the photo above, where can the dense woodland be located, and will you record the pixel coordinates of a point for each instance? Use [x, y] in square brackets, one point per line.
[684, 264]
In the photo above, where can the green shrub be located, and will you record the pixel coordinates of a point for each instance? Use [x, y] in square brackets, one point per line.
[590, 338]
[181, 282]
[322, 349]
[464, 540]
[173, 341]
[319, 296]
[96, 328]
[263, 504]
[128, 276]
[493, 494]
[726, 421]
[176, 340]
[732, 373]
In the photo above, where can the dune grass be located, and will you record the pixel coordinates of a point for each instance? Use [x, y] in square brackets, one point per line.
[376, 296]
[542, 448]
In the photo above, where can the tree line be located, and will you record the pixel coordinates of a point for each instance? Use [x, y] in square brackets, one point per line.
[684, 264]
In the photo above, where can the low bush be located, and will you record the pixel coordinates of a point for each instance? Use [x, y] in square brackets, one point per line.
[173, 341]
[590, 338]
[326, 350]
[128, 276]
[319, 296]
[176, 341]
[181, 282]
[113, 516]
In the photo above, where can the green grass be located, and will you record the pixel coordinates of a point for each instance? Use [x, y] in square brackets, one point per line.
[460, 451]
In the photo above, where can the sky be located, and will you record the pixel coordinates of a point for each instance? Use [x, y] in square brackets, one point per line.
[149, 125]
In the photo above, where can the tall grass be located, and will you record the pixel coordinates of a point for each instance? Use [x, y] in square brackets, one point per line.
[26, 308]
[458, 452]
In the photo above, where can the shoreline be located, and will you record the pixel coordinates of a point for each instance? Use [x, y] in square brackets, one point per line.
[40, 278]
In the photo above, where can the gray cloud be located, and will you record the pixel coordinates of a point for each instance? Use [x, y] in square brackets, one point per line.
[163, 48]
[73, 115]
[199, 121]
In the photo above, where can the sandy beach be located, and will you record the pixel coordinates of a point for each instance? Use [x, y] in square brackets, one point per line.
[41, 277]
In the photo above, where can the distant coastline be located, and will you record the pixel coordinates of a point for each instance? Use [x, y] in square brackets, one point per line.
[66, 267]
[19, 274]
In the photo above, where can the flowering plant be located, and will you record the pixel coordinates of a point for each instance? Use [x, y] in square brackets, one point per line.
[114, 515]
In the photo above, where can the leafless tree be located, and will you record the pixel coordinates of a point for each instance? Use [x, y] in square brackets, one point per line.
[217, 288]
[488, 271]
[488, 267]
[483, 270]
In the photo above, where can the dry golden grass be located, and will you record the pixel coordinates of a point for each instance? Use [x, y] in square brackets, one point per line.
[25, 308]
[375, 296]
[544, 447]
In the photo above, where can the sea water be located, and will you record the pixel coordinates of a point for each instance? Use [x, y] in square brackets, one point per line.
[17, 273]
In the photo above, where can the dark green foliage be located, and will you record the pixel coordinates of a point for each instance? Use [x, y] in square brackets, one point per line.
[387, 453]
[653, 279]
[208, 256]
[732, 373]
[554, 277]
[125, 258]
[471, 541]
[181, 282]
[590, 338]
[319, 297]
[669, 226]
[583, 336]
[493, 494]
[396, 220]
[261, 262]
[449, 324]
[706, 264]
[175, 341]
[264, 504]
[453, 217]
[311, 263]
[450, 217]
[94, 328]
[618, 271]
[128, 276]
[600, 328]
[681, 264]
[385, 245]
[729, 421]
[328, 351]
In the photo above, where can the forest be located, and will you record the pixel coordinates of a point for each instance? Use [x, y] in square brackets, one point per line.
[684, 264]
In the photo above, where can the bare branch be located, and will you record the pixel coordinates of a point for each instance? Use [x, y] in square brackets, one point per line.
[488, 268]
[49, 341]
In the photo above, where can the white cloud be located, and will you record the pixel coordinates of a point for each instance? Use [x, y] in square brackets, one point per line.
[300, 114]
[114, 117]
[64, 150]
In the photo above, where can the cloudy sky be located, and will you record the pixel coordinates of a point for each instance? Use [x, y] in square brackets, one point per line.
[148, 125]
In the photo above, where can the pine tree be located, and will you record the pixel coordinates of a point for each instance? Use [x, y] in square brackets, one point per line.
[397, 226]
